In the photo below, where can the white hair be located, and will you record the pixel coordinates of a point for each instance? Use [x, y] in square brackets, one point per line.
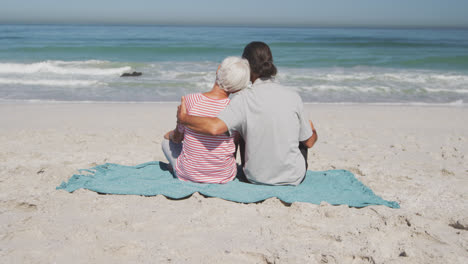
[233, 74]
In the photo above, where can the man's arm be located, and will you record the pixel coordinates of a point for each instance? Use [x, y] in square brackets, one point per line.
[206, 125]
[312, 139]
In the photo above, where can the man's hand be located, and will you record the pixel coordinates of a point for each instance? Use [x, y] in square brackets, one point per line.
[181, 111]
[311, 141]
[312, 126]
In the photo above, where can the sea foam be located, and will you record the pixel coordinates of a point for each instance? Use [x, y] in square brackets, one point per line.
[51, 82]
[92, 67]
[168, 81]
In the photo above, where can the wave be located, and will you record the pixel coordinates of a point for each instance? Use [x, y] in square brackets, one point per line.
[374, 75]
[372, 84]
[91, 67]
[435, 90]
[343, 88]
[366, 89]
[457, 103]
[168, 80]
[453, 61]
[290, 54]
[44, 82]
[442, 62]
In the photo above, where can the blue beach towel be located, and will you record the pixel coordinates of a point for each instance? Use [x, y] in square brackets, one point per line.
[151, 178]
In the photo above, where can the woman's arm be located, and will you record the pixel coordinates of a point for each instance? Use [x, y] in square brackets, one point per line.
[312, 139]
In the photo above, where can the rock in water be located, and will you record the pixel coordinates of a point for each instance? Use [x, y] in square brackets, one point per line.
[133, 74]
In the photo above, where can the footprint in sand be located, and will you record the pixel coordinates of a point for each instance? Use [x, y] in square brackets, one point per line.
[26, 207]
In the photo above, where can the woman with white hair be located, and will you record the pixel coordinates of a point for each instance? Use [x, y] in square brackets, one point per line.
[202, 158]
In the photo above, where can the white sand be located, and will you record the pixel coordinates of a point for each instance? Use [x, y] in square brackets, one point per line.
[414, 155]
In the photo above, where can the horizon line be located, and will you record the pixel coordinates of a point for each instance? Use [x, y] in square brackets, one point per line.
[370, 26]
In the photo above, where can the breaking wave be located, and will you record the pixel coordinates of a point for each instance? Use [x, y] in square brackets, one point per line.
[90, 67]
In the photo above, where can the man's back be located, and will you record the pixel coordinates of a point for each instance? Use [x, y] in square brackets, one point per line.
[270, 119]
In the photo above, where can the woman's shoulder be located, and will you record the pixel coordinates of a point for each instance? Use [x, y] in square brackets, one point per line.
[192, 99]
[193, 96]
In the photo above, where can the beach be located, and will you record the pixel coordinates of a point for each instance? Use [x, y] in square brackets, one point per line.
[413, 154]
[389, 105]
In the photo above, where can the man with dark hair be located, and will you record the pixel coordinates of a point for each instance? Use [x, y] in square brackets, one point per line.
[270, 119]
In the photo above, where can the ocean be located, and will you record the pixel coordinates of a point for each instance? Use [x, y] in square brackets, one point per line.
[83, 63]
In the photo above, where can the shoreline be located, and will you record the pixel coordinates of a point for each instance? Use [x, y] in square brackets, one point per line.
[458, 103]
[415, 155]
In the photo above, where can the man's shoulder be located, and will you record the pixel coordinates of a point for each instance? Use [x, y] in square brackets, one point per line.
[280, 91]
[241, 95]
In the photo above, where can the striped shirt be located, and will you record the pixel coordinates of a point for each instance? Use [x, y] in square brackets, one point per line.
[206, 159]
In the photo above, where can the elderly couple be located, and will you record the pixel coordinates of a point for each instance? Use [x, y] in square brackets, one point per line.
[265, 120]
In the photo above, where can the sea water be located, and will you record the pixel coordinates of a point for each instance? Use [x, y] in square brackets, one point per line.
[337, 65]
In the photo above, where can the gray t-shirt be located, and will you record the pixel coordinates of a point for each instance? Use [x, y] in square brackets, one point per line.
[270, 118]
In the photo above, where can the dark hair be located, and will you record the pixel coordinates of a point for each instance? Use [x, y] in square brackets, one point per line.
[260, 59]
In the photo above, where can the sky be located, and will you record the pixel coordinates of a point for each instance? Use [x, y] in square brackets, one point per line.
[400, 13]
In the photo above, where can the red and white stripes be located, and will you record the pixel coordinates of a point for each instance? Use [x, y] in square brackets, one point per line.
[206, 159]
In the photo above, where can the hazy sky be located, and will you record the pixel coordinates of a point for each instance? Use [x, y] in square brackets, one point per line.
[240, 12]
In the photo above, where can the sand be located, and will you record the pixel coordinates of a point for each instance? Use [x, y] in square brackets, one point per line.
[416, 155]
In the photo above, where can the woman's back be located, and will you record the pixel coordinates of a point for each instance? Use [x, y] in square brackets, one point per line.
[207, 159]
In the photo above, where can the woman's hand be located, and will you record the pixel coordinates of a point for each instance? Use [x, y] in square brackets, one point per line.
[168, 135]
[174, 136]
